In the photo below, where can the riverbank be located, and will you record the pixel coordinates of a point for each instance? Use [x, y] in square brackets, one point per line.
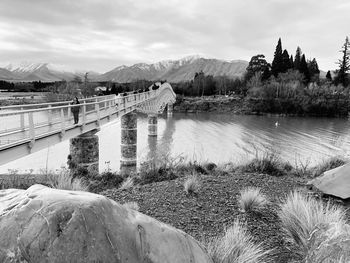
[330, 107]
[159, 191]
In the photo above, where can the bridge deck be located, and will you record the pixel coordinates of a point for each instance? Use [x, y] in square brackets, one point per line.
[29, 128]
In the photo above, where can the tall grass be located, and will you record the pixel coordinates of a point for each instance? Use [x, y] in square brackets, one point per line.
[329, 244]
[251, 199]
[63, 180]
[300, 215]
[236, 246]
[161, 167]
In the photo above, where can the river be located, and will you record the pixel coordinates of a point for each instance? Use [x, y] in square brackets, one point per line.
[218, 138]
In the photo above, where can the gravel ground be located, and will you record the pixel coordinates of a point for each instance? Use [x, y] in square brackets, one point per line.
[206, 215]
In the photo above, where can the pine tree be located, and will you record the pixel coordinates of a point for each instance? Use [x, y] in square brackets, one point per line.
[344, 64]
[285, 62]
[313, 70]
[297, 59]
[329, 76]
[277, 60]
[304, 69]
[291, 61]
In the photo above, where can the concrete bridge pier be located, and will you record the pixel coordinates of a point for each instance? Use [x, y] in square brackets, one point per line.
[170, 107]
[128, 143]
[84, 151]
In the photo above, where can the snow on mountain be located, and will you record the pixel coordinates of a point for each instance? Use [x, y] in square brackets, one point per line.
[170, 70]
[176, 70]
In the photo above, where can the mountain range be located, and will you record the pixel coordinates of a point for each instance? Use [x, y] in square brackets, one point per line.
[170, 70]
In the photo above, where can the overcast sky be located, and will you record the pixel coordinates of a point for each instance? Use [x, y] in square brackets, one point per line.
[102, 34]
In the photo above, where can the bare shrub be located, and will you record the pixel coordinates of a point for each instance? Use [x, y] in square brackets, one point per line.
[251, 199]
[132, 205]
[236, 246]
[192, 184]
[301, 215]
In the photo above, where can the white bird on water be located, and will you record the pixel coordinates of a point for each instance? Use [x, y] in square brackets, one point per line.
[277, 124]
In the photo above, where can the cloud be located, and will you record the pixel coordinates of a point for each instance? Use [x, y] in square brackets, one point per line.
[102, 34]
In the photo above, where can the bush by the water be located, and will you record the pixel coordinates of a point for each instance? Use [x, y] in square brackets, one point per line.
[301, 215]
[327, 165]
[236, 246]
[268, 163]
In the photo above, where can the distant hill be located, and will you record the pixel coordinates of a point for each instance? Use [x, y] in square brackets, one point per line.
[176, 70]
[27, 71]
[170, 70]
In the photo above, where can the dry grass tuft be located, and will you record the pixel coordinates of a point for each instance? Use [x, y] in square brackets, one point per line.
[192, 184]
[132, 205]
[236, 246]
[128, 183]
[251, 199]
[64, 181]
[301, 215]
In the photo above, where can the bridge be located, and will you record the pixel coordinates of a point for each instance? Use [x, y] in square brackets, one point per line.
[25, 129]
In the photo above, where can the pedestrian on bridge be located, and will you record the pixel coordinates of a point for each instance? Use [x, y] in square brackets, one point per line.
[75, 110]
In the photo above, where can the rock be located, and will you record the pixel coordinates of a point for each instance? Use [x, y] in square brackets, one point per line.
[41, 224]
[335, 182]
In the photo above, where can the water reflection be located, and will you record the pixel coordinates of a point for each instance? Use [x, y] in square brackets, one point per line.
[213, 137]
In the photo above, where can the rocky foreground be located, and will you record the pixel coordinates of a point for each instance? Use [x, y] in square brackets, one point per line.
[207, 214]
[41, 224]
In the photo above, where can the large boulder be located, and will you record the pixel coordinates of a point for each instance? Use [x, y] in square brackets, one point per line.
[335, 182]
[41, 224]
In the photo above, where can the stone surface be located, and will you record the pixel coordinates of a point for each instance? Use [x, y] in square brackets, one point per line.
[41, 224]
[84, 151]
[128, 143]
[334, 182]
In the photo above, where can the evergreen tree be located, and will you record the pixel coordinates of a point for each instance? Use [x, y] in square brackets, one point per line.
[344, 64]
[277, 60]
[328, 75]
[297, 59]
[313, 70]
[266, 73]
[285, 61]
[304, 69]
[291, 61]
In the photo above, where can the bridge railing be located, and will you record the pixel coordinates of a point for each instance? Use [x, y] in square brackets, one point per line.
[53, 104]
[19, 126]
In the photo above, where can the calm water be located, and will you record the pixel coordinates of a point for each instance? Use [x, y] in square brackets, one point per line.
[218, 138]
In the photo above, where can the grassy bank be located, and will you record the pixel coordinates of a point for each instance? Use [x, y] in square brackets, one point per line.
[256, 212]
[326, 107]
